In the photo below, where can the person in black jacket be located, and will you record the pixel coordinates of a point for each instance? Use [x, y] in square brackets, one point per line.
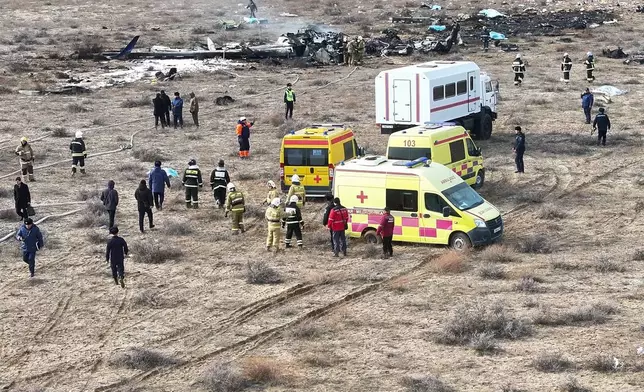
[144, 201]
[219, 179]
[602, 124]
[159, 111]
[110, 199]
[327, 210]
[519, 148]
[293, 222]
[166, 107]
[22, 197]
[115, 255]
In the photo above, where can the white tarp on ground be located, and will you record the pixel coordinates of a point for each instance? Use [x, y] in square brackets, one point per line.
[122, 72]
[607, 90]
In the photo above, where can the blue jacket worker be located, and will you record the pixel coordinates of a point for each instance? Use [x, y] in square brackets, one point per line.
[587, 101]
[177, 110]
[158, 180]
[602, 124]
[115, 255]
[31, 241]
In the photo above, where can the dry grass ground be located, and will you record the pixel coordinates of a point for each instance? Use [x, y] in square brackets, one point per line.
[566, 284]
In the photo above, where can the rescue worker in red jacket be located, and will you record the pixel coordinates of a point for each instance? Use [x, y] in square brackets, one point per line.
[338, 223]
[386, 231]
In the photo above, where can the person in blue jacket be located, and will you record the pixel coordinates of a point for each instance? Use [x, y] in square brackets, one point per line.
[177, 110]
[587, 101]
[31, 241]
[158, 180]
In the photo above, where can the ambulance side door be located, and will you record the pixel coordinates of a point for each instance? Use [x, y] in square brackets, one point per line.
[435, 228]
[459, 162]
[401, 196]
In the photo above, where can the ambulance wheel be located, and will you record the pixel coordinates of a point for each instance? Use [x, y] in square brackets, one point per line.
[460, 242]
[370, 237]
[485, 129]
[480, 179]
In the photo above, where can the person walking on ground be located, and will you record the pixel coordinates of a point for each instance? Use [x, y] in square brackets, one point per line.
[144, 201]
[252, 7]
[298, 190]
[566, 67]
[327, 211]
[289, 101]
[274, 215]
[272, 192]
[31, 242]
[293, 222]
[22, 198]
[587, 101]
[177, 110]
[590, 67]
[192, 182]
[159, 111]
[485, 37]
[26, 155]
[602, 125]
[338, 222]
[158, 180]
[167, 107]
[235, 205]
[110, 199]
[519, 148]
[115, 253]
[219, 179]
[518, 67]
[243, 137]
[194, 109]
[77, 148]
[386, 231]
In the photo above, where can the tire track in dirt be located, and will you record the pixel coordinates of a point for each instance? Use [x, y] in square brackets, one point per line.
[251, 342]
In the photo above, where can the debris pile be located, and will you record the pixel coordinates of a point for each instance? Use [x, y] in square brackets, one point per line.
[322, 47]
[618, 53]
[390, 43]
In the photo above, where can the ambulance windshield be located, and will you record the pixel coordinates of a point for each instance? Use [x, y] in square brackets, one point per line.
[463, 197]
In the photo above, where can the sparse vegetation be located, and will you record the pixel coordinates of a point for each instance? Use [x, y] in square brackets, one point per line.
[5, 192]
[450, 262]
[550, 212]
[154, 253]
[90, 219]
[492, 271]
[96, 237]
[551, 363]
[263, 371]
[484, 343]
[88, 48]
[536, 243]
[469, 321]
[510, 388]
[605, 364]
[561, 265]
[57, 132]
[136, 102]
[371, 251]
[5, 90]
[425, 384]
[318, 360]
[637, 256]
[76, 108]
[148, 154]
[588, 314]
[572, 385]
[178, 228]
[528, 284]
[604, 264]
[224, 377]
[141, 359]
[87, 194]
[499, 254]
[307, 330]
[259, 272]
[148, 298]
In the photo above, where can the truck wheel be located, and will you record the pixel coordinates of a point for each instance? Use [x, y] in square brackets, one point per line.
[370, 237]
[486, 127]
[460, 242]
[480, 179]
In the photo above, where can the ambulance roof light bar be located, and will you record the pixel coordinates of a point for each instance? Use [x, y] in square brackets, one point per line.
[418, 161]
[327, 126]
[434, 125]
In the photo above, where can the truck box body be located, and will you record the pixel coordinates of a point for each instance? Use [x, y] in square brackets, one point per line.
[433, 92]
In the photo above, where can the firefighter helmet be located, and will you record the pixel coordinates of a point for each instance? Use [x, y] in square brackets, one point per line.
[294, 199]
[79, 135]
[271, 184]
[230, 186]
[295, 178]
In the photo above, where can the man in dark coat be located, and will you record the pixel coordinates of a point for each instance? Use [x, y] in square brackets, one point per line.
[519, 148]
[144, 201]
[168, 106]
[327, 210]
[110, 199]
[115, 255]
[158, 180]
[31, 242]
[159, 111]
[22, 198]
[602, 124]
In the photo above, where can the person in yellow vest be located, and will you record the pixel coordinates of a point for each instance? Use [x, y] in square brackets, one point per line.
[297, 189]
[26, 155]
[272, 192]
[235, 205]
[274, 215]
[289, 100]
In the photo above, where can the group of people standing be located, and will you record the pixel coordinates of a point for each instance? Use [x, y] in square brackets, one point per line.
[519, 68]
[163, 105]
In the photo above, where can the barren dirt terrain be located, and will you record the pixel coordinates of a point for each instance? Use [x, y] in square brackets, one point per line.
[552, 307]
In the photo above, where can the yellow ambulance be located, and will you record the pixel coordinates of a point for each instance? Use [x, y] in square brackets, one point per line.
[429, 202]
[312, 153]
[446, 143]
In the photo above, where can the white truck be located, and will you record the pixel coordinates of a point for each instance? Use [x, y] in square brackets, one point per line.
[436, 92]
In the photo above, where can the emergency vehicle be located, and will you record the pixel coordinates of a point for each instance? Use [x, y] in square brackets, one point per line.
[448, 144]
[429, 202]
[436, 91]
[312, 153]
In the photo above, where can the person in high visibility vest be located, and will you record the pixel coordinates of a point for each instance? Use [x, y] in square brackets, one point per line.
[274, 215]
[235, 205]
[272, 192]
[297, 189]
[219, 179]
[518, 67]
[192, 182]
[26, 155]
[566, 67]
[289, 100]
[590, 66]
[293, 222]
[77, 148]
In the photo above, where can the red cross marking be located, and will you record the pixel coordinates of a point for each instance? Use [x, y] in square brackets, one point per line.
[362, 196]
[317, 179]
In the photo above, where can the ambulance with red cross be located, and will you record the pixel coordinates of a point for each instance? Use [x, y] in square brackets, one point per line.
[429, 202]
